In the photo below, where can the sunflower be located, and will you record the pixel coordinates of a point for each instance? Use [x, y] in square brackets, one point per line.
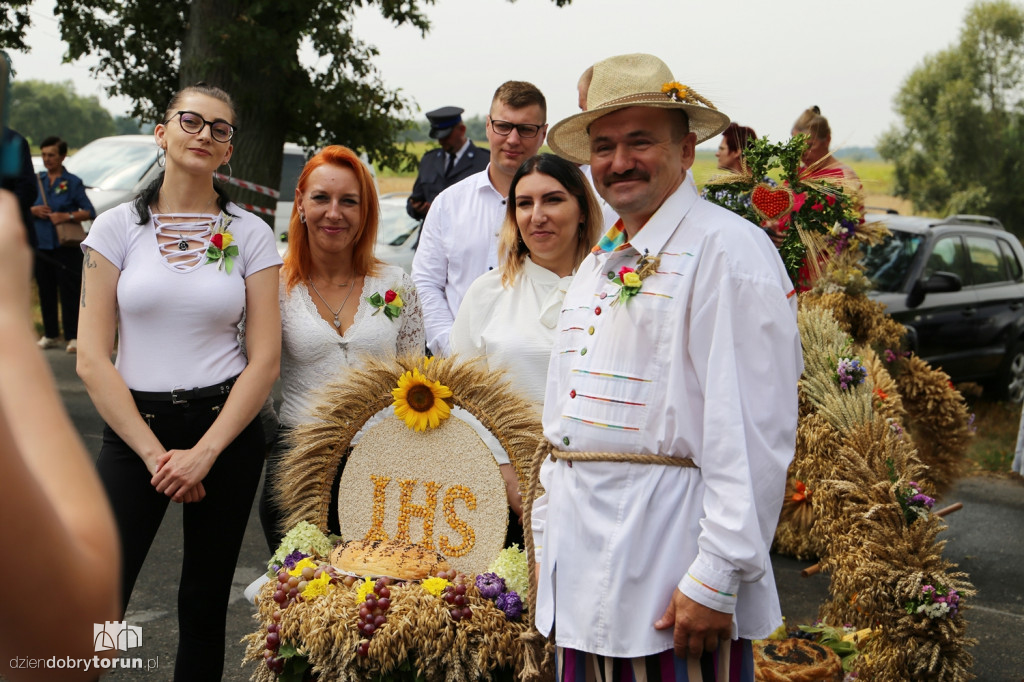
[420, 401]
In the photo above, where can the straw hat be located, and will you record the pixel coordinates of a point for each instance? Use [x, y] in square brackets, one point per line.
[632, 80]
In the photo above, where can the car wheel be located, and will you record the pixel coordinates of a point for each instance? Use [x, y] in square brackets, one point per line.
[1010, 383]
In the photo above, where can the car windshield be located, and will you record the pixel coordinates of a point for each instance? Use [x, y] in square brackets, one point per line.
[395, 224]
[887, 264]
[112, 164]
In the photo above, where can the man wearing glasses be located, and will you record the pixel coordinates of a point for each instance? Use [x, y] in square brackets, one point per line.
[459, 239]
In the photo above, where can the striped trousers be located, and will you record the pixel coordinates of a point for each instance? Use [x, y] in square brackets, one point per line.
[737, 656]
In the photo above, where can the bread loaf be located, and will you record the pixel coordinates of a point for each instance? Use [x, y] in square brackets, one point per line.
[795, 660]
[392, 559]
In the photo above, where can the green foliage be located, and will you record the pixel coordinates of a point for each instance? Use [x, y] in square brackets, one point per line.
[40, 109]
[960, 147]
[148, 49]
[14, 20]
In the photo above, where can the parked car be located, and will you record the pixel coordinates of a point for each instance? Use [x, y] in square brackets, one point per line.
[114, 169]
[398, 233]
[957, 284]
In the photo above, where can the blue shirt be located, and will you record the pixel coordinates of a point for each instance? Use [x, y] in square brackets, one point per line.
[65, 195]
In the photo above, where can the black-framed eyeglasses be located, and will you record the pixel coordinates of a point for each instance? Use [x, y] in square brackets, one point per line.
[192, 123]
[505, 128]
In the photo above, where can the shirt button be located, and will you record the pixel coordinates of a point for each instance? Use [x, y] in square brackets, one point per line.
[572, 393]
[597, 310]
[565, 440]
[603, 295]
[590, 331]
[583, 351]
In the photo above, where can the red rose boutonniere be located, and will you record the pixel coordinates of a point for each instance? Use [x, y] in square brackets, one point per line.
[221, 249]
[391, 303]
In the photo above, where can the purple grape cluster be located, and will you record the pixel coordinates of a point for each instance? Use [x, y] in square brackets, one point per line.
[455, 596]
[270, 657]
[371, 613]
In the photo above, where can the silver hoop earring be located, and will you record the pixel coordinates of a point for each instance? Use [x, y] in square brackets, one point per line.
[302, 218]
[229, 168]
[161, 157]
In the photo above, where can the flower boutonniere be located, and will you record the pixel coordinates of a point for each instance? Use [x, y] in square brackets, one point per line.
[391, 303]
[631, 280]
[61, 187]
[221, 249]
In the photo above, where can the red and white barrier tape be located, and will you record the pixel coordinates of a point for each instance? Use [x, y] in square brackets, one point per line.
[245, 184]
[257, 209]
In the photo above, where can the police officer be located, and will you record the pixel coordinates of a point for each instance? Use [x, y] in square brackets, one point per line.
[458, 158]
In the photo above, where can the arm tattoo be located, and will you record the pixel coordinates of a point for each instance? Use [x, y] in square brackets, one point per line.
[87, 264]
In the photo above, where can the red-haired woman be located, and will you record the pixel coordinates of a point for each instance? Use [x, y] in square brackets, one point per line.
[338, 302]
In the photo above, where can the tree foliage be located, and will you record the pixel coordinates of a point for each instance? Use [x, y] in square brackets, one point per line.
[14, 20]
[960, 147]
[148, 49]
[40, 109]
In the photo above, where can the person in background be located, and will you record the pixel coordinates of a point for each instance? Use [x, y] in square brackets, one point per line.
[459, 238]
[327, 296]
[20, 178]
[51, 500]
[61, 199]
[509, 314]
[456, 160]
[818, 162]
[678, 318]
[170, 276]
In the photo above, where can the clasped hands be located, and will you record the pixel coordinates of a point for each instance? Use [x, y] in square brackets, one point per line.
[42, 211]
[179, 474]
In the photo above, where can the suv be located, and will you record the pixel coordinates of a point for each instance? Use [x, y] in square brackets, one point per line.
[957, 284]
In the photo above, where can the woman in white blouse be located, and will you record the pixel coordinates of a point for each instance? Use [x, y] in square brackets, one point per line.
[339, 303]
[509, 315]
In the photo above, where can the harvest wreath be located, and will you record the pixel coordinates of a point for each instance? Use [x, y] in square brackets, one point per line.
[416, 592]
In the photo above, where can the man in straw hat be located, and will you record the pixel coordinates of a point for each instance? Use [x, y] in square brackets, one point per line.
[671, 405]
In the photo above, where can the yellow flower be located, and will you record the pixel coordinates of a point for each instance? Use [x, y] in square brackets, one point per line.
[297, 571]
[226, 240]
[420, 402]
[675, 90]
[365, 588]
[398, 300]
[435, 585]
[631, 279]
[317, 587]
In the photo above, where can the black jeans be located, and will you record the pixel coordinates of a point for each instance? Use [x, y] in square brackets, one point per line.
[213, 527]
[59, 272]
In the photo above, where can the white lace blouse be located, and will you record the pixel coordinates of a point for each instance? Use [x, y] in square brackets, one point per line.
[312, 352]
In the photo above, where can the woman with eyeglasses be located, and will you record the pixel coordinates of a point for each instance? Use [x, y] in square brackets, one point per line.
[171, 277]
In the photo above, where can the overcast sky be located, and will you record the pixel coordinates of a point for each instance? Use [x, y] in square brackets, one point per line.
[760, 62]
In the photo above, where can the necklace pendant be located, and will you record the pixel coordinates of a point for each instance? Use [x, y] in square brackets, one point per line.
[183, 245]
[337, 322]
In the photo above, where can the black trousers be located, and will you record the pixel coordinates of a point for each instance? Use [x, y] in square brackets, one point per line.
[213, 527]
[59, 275]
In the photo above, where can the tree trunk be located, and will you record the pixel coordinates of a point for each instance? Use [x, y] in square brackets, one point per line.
[215, 51]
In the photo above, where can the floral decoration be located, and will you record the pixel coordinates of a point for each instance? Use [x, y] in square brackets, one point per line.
[365, 588]
[935, 601]
[824, 208]
[490, 585]
[850, 372]
[317, 587]
[435, 586]
[221, 249]
[391, 303]
[303, 539]
[510, 566]
[801, 493]
[914, 503]
[631, 280]
[510, 603]
[61, 187]
[676, 91]
[420, 402]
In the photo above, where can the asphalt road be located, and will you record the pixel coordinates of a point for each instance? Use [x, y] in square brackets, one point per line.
[986, 538]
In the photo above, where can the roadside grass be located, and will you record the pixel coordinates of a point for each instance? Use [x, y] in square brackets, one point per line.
[995, 438]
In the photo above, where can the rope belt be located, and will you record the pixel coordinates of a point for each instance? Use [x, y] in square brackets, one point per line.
[665, 460]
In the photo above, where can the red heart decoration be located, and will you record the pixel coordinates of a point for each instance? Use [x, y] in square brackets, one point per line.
[771, 202]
